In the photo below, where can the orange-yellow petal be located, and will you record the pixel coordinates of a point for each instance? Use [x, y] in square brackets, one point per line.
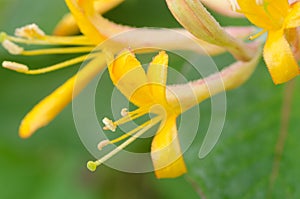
[293, 18]
[129, 77]
[47, 109]
[279, 58]
[269, 16]
[84, 14]
[165, 151]
[157, 76]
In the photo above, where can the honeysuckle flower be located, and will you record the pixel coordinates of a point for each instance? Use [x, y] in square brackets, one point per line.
[279, 19]
[148, 91]
[86, 15]
[166, 154]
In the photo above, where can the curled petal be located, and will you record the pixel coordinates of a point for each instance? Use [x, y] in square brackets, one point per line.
[68, 25]
[293, 18]
[268, 16]
[128, 75]
[157, 76]
[279, 58]
[83, 12]
[47, 109]
[165, 151]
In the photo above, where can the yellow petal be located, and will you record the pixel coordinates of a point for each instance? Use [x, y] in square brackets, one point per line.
[165, 151]
[269, 16]
[157, 76]
[279, 58]
[84, 14]
[47, 109]
[293, 18]
[129, 77]
[68, 24]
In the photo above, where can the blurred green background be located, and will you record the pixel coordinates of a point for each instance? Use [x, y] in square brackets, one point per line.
[51, 164]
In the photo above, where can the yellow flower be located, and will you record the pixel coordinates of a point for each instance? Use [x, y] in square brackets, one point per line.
[276, 17]
[148, 92]
[86, 15]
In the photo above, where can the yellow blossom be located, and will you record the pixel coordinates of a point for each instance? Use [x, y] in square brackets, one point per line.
[276, 17]
[91, 24]
[148, 92]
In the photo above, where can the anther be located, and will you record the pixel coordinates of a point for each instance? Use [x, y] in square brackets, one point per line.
[124, 112]
[30, 31]
[257, 35]
[103, 144]
[11, 47]
[234, 5]
[15, 66]
[260, 2]
[109, 124]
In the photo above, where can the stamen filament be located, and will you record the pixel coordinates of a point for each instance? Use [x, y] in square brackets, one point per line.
[93, 165]
[53, 40]
[257, 35]
[62, 64]
[132, 115]
[130, 133]
[55, 66]
[234, 5]
[57, 51]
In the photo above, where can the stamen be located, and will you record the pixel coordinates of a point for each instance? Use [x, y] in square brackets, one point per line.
[61, 65]
[93, 165]
[260, 2]
[257, 35]
[130, 133]
[58, 51]
[132, 115]
[124, 112]
[102, 144]
[15, 66]
[31, 31]
[234, 5]
[109, 124]
[11, 47]
[53, 40]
